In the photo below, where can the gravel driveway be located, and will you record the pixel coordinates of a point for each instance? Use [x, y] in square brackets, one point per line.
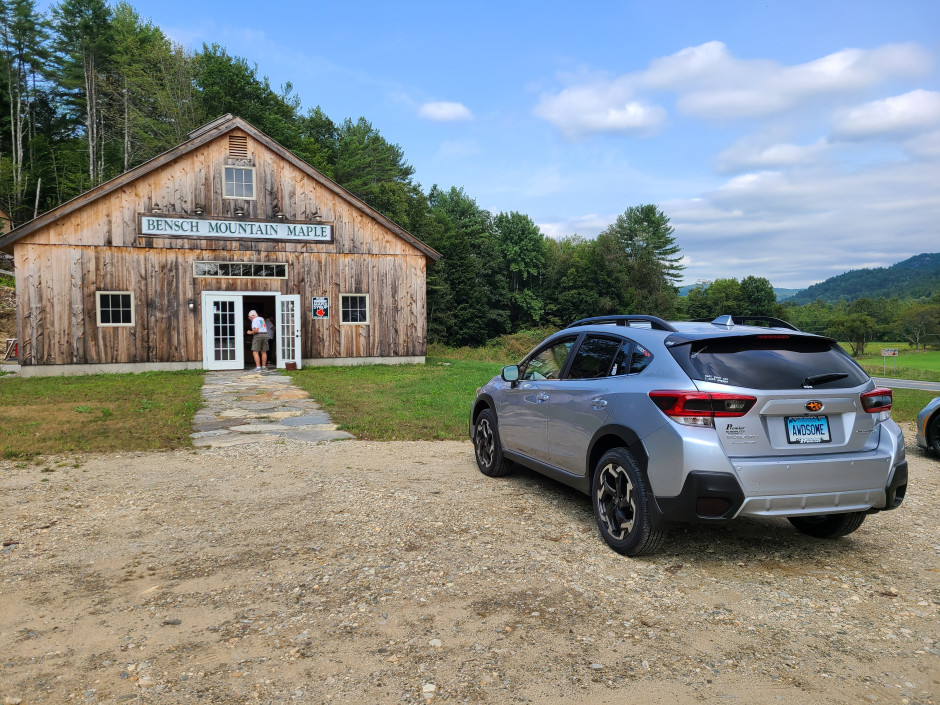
[395, 572]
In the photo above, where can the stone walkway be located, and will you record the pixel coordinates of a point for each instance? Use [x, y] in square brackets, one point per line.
[248, 407]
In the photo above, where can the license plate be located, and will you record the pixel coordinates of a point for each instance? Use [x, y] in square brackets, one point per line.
[808, 429]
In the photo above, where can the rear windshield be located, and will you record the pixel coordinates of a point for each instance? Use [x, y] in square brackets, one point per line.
[770, 363]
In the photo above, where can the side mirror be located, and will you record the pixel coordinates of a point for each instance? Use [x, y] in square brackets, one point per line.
[510, 373]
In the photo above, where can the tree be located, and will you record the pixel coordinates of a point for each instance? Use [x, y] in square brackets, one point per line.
[652, 257]
[523, 255]
[697, 305]
[758, 297]
[724, 297]
[24, 38]
[150, 98]
[365, 161]
[227, 84]
[476, 285]
[919, 323]
[83, 49]
[855, 328]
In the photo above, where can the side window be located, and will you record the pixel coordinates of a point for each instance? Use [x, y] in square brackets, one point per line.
[632, 358]
[595, 358]
[549, 362]
[640, 359]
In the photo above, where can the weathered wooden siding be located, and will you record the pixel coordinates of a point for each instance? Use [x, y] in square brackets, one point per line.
[58, 308]
[195, 179]
[96, 247]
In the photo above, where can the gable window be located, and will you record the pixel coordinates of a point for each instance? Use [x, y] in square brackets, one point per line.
[354, 308]
[115, 308]
[239, 182]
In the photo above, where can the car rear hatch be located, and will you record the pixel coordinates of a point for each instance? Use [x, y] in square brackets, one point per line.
[775, 395]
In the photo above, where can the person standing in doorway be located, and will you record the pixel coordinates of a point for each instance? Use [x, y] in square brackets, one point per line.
[259, 340]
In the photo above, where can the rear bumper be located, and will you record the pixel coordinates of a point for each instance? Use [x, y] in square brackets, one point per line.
[716, 498]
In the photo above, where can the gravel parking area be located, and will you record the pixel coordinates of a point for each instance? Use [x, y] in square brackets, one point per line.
[395, 572]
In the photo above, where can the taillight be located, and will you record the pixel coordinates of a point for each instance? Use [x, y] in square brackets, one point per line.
[701, 408]
[877, 400]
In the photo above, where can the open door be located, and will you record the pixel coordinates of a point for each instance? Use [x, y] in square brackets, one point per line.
[223, 332]
[288, 330]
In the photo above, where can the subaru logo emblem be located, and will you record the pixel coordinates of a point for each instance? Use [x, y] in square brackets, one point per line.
[813, 405]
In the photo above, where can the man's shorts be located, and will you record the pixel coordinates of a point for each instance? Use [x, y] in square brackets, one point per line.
[259, 343]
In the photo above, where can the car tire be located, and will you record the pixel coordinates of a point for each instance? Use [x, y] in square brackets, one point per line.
[488, 448]
[933, 434]
[828, 526]
[619, 493]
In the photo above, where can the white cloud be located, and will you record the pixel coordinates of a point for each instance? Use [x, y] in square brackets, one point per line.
[710, 83]
[586, 225]
[445, 112]
[902, 114]
[600, 107]
[751, 154]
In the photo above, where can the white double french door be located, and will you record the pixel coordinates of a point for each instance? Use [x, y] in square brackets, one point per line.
[224, 325]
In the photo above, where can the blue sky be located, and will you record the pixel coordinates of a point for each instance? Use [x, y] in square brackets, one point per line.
[787, 139]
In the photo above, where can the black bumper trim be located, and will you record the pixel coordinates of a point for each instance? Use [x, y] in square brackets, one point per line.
[701, 485]
[897, 488]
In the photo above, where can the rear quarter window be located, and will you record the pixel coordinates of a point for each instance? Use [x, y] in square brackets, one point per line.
[759, 362]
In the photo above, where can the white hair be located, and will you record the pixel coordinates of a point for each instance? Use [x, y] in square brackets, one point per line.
[252, 313]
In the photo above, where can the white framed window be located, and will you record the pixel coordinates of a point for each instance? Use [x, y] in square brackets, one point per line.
[354, 309]
[228, 270]
[115, 308]
[239, 182]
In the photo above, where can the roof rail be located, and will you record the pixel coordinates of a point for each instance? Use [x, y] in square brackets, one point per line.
[654, 321]
[746, 320]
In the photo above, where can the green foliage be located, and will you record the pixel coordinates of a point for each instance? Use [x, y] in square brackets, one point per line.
[856, 328]
[914, 278]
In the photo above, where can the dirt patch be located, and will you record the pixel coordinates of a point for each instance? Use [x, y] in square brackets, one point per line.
[395, 572]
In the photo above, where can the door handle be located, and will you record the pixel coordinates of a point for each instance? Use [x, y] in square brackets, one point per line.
[542, 396]
[598, 403]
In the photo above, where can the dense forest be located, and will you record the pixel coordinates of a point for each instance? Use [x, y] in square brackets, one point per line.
[916, 277]
[90, 90]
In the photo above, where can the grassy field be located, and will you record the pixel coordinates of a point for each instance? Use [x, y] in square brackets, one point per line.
[399, 402]
[909, 363]
[148, 411]
[154, 410]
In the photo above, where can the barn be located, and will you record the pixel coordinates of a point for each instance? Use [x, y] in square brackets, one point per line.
[159, 267]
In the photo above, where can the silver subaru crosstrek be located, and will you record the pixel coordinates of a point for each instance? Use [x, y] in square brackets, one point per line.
[663, 422]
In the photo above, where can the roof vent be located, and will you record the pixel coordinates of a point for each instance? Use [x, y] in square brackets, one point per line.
[238, 146]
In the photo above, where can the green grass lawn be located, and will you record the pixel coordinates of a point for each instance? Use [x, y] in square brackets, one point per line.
[909, 363]
[399, 402]
[108, 412]
[154, 410]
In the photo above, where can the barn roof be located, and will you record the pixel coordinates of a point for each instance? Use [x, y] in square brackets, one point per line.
[197, 138]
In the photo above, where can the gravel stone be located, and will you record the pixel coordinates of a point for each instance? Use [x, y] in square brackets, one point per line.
[296, 571]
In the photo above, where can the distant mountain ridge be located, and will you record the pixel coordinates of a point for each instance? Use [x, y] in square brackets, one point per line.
[916, 277]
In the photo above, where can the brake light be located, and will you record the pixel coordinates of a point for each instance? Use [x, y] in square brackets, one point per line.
[773, 337]
[877, 400]
[701, 408]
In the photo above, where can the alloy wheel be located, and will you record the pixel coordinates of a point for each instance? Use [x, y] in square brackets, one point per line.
[616, 498]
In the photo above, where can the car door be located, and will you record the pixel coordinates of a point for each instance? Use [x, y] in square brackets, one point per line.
[523, 410]
[579, 404]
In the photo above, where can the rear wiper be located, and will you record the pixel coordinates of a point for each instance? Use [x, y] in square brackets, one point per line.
[813, 380]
